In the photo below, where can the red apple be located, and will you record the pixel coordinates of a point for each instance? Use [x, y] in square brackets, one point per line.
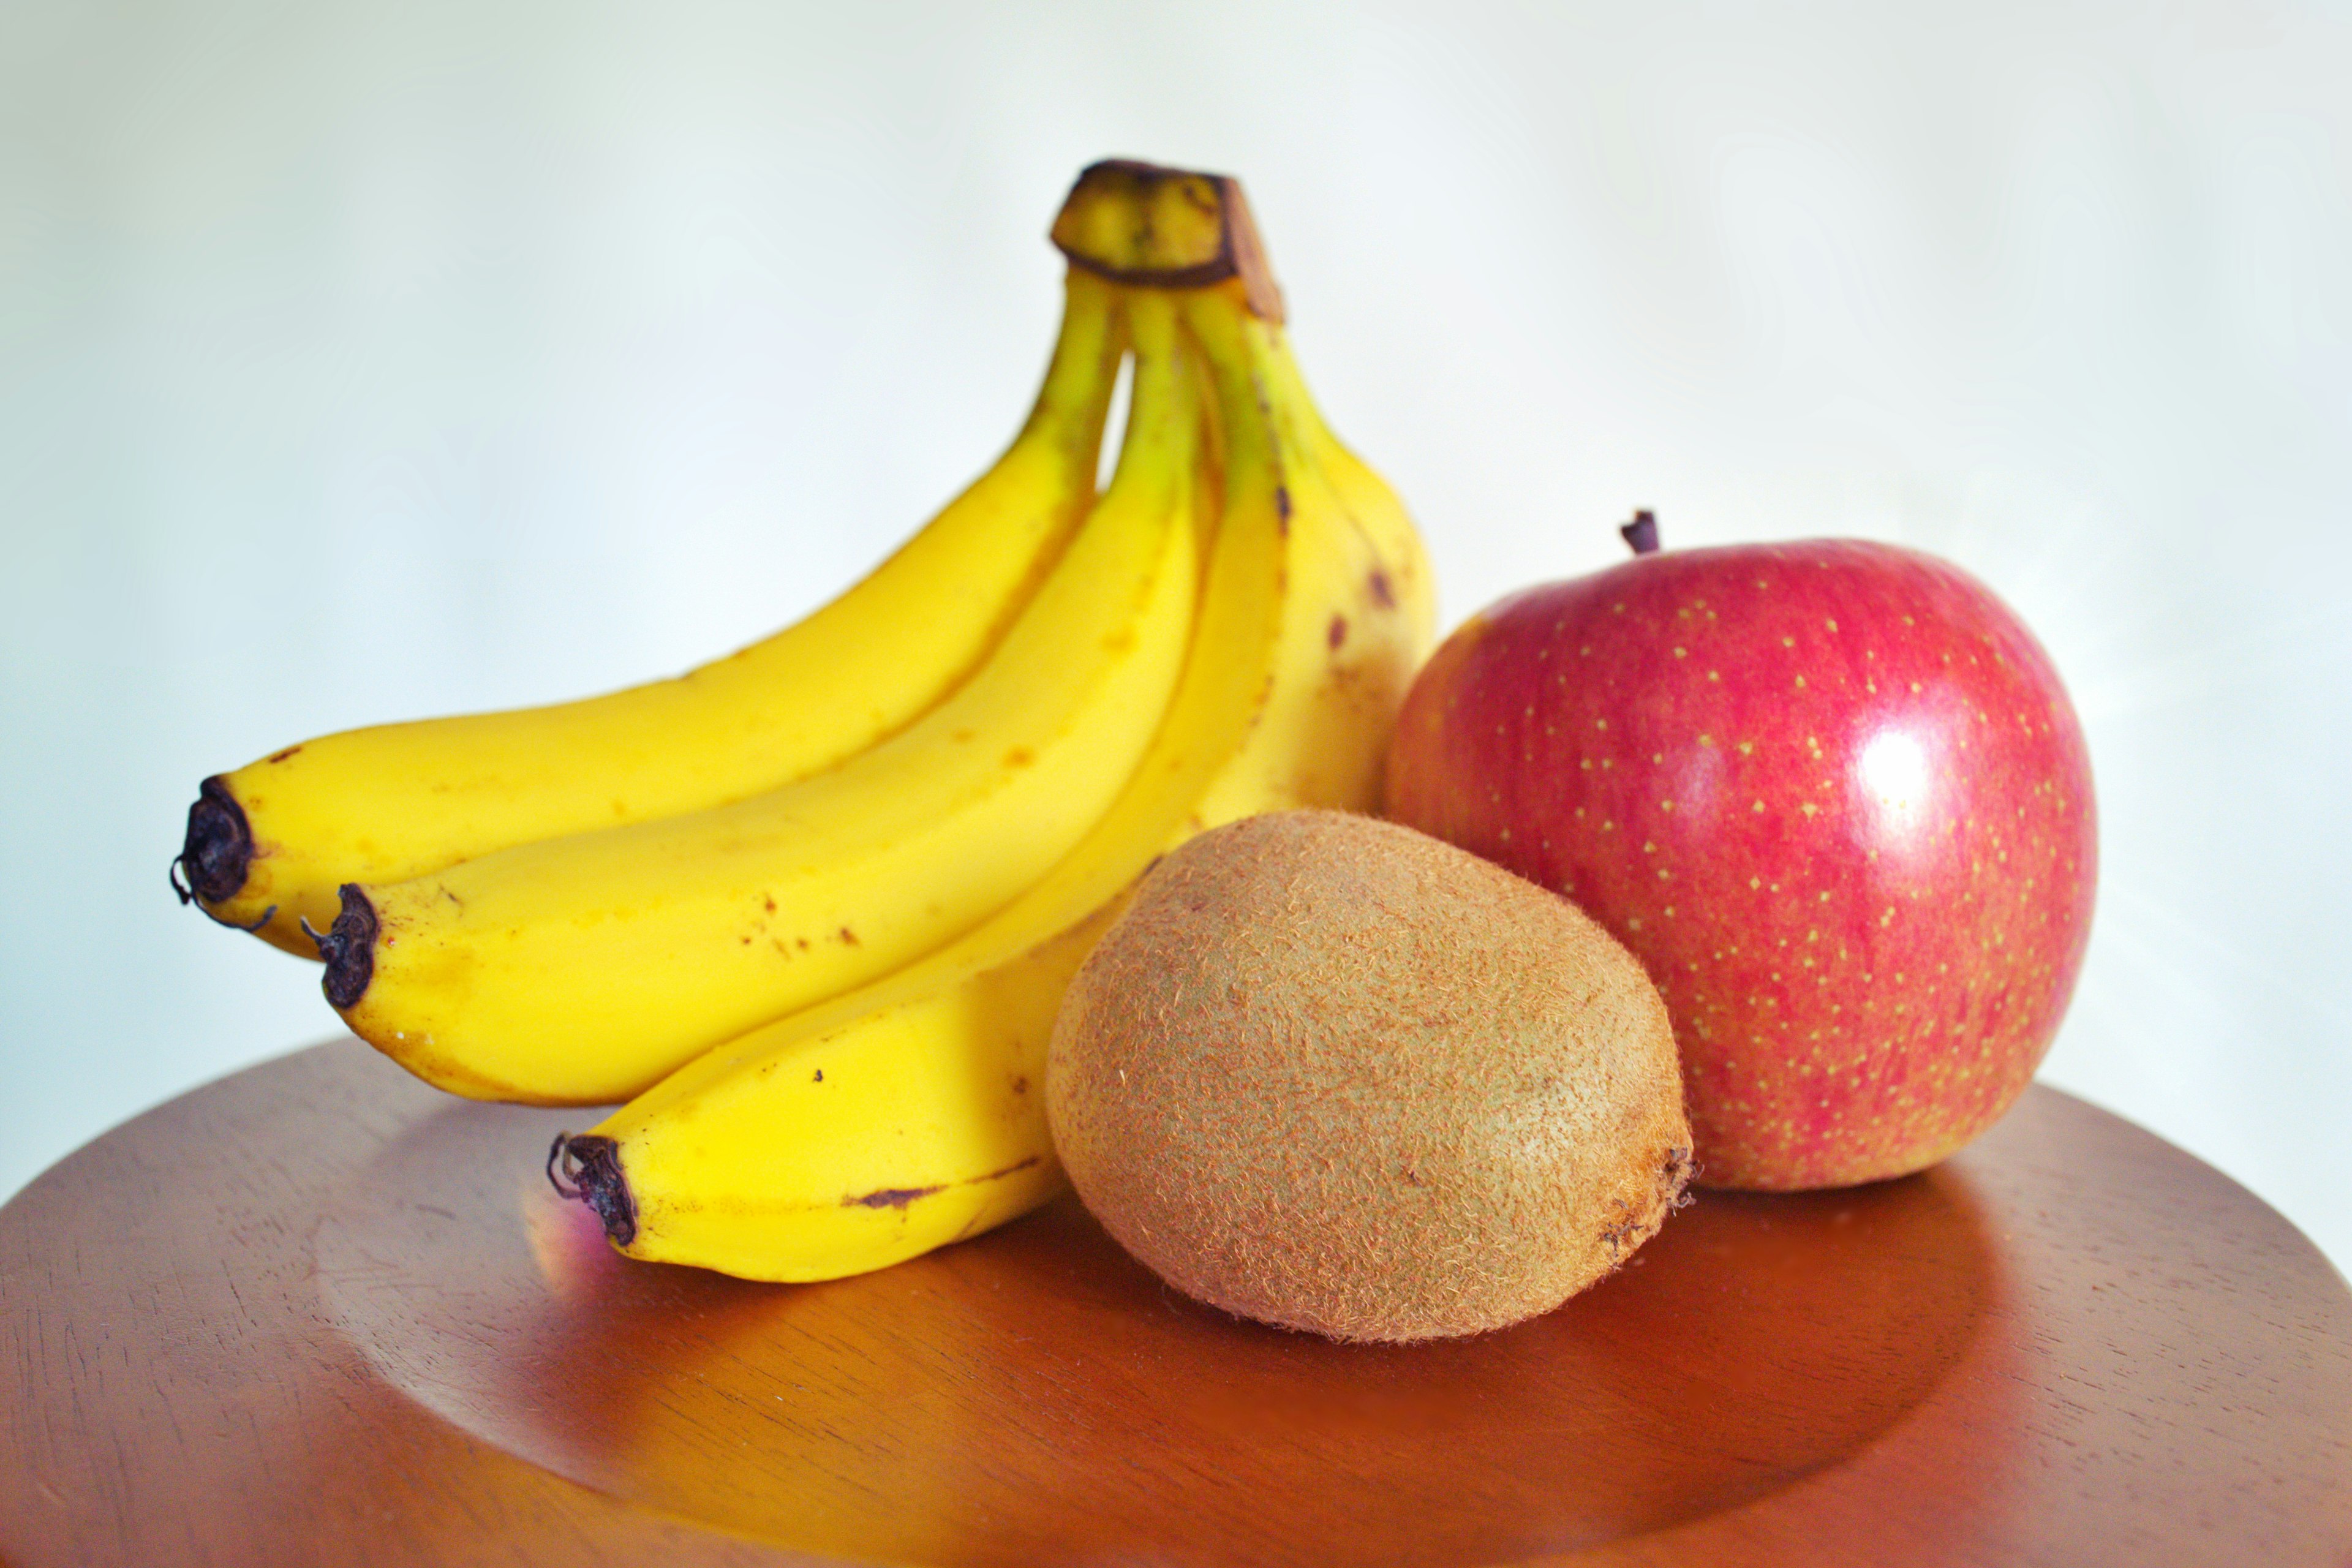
[1833, 797]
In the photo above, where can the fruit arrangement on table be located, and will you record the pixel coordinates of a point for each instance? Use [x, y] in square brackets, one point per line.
[1049, 854]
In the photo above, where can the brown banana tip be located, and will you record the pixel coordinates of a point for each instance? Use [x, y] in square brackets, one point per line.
[1641, 534]
[217, 849]
[347, 948]
[586, 1169]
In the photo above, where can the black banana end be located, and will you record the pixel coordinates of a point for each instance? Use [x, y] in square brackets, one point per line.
[586, 1169]
[348, 949]
[217, 851]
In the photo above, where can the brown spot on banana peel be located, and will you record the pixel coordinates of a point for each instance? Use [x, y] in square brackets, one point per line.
[1383, 594]
[899, 1197]
[889, 1197]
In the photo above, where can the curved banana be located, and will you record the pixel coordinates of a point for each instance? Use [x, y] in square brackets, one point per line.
[269, 845]
[581, 970]
[910, 1114]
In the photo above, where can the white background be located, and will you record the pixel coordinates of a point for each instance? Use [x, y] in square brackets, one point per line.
[363, 361]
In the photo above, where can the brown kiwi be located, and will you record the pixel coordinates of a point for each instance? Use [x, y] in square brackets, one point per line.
[1331, 1073]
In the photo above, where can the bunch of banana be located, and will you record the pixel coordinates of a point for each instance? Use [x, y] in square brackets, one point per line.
[831, 997]
[268, 845]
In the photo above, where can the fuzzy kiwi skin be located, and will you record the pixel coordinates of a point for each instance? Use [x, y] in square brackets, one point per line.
[1331, 1073]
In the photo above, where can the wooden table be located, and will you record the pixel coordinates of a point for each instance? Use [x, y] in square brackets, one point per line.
[318, 1314]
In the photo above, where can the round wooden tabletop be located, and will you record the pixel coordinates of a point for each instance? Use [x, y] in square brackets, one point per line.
[319, 1313]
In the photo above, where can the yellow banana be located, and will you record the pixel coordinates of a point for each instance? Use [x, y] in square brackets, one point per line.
[829, 1153]
[269, 845]
[911, 1114]
[581, 970]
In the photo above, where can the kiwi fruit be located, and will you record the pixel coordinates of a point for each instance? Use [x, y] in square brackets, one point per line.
[1331, 1073]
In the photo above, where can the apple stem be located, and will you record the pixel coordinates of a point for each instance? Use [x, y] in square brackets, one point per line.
[1641, 534]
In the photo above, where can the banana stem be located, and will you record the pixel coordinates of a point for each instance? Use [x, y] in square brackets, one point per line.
[1160, 415]
[1235, 346]
[1083, 369]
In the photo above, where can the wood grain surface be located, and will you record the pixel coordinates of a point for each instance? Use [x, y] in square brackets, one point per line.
[318, 1314]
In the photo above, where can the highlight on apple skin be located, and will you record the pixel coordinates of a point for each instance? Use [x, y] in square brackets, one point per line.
[1833, 797]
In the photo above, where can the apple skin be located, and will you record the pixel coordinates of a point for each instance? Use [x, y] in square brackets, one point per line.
[1830, 794]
